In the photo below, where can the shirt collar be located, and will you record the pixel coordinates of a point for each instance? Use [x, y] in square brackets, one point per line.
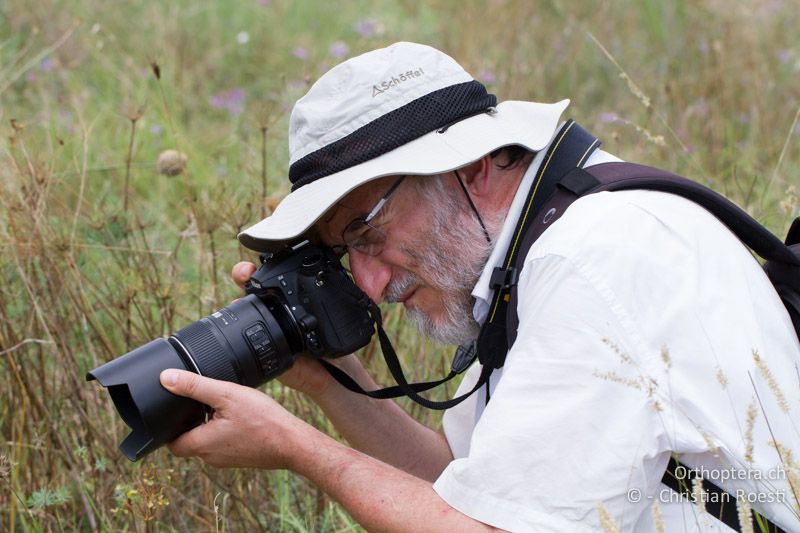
[482, 293]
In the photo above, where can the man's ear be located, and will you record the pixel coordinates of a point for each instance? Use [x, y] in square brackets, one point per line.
[477, 176]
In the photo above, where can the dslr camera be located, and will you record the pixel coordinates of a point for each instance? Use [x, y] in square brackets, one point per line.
[300, 301]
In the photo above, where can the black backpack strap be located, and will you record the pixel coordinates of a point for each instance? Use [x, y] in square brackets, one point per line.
[719, 503]
[626, 176]
[793, 237]
[570, 148]
[783, 261]
[786, 280]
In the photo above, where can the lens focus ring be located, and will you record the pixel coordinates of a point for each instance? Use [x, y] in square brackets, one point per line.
[204, 348]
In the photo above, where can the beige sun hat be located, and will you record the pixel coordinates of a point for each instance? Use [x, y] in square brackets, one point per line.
[404, 109]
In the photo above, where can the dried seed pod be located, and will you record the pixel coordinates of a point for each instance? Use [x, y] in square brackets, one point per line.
[171, 162]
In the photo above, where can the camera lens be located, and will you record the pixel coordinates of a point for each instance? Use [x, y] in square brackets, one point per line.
[248, 342]
[243, 343]
[301, 299]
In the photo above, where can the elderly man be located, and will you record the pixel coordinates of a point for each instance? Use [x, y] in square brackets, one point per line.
[646, 329]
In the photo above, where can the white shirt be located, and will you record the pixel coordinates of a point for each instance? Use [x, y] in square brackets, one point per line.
[639, 316]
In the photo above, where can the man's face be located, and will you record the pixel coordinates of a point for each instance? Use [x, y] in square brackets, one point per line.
[432, 257]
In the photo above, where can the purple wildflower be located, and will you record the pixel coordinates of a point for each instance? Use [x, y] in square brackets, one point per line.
[217, 101]
[366, 28]
[156, 129]
[264, 3]
[235, 102]
[784, 56]
[300, 53]
[236, 95]
[232, 101]
[30, 76]
[46, 65]
[339, 49]
[608, 117]
[487, 76]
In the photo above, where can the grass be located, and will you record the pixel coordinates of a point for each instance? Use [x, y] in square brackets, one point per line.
[100, 253]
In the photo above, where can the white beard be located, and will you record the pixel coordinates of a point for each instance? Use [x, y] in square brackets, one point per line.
[452, 259]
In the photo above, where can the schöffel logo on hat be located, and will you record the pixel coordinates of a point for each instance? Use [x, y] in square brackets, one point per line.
[384, 86]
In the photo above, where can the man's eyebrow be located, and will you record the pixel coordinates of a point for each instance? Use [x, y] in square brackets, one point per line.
[333, 211]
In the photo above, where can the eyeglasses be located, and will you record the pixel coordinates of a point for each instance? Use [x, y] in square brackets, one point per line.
[361, 235]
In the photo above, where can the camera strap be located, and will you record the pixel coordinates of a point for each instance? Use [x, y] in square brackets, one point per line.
[403, 387]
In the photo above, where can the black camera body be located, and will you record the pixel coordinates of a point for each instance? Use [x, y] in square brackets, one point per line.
[300, 301]
[329, 311]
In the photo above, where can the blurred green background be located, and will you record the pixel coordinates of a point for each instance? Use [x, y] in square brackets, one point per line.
[99, 252]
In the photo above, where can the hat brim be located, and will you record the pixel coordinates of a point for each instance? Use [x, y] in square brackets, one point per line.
[528, 124]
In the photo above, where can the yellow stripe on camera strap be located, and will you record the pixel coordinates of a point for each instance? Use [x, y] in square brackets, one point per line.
[570, 148]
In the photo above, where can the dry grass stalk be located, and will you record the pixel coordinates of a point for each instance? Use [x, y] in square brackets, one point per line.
[722, 379]
[606, 522]
[766, 373]
[748, 434]
[658, 518]
[745, 515]
[699, 494]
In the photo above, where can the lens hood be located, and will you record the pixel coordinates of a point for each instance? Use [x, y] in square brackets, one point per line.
[155, 415]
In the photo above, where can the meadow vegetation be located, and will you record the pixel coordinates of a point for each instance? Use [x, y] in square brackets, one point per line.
[100, 252]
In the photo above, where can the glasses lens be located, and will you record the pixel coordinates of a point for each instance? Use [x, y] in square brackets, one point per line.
[362, 236]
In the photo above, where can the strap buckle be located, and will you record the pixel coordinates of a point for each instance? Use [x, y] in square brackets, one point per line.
[503, 279]
[465, 355]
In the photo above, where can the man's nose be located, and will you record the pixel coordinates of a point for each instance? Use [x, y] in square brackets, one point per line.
[370, 273]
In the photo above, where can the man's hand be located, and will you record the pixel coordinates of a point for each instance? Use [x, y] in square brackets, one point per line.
[379, 428]
[248, 428]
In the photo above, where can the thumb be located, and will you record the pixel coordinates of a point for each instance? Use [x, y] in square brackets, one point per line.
[241, 272]
[205, 390]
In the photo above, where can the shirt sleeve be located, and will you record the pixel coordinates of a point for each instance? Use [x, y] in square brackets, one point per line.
[573, 423]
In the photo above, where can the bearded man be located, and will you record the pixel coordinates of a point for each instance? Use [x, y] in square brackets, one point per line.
[641, 320]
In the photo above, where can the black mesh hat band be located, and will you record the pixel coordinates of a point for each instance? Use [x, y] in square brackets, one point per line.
[392, 130]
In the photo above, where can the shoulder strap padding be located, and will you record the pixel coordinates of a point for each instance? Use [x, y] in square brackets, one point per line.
[783, 265]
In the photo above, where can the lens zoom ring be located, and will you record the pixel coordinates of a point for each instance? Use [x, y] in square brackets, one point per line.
[210, 357]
